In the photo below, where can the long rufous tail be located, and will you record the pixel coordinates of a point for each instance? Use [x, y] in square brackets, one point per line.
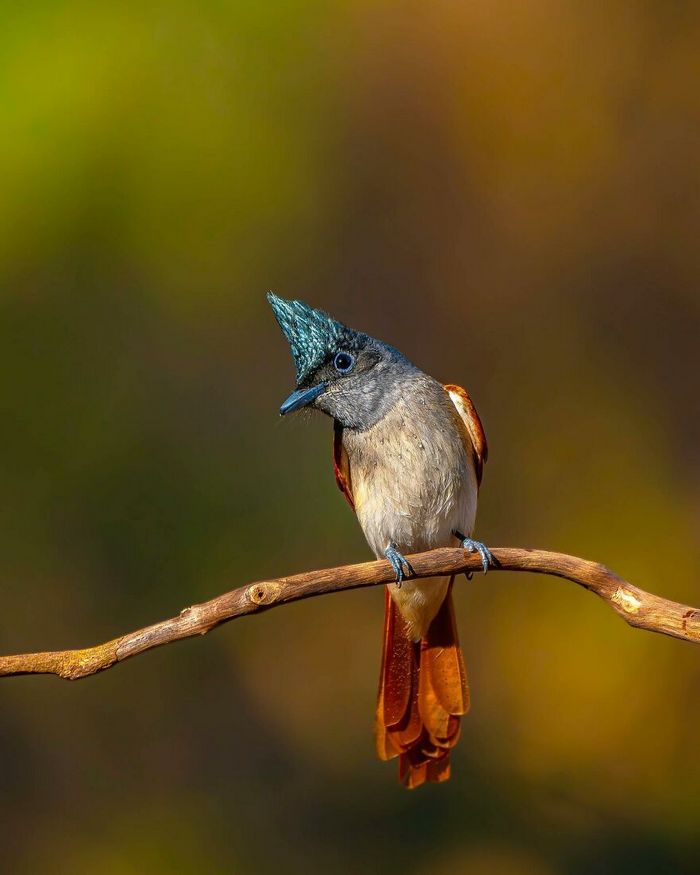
[423, 692]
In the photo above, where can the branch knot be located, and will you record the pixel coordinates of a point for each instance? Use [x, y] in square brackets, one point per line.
[264, 593]
[627, 600]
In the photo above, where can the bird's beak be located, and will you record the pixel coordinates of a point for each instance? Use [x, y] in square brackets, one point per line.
[301, 398]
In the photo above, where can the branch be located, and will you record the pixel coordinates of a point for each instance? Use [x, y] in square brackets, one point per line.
[638, 608]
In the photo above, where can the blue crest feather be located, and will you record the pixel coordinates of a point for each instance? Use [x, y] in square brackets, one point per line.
[312, 334]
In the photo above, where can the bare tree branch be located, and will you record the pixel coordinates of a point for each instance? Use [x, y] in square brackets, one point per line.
[638, 608]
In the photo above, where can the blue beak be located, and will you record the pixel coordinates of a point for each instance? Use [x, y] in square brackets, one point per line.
[301, 398]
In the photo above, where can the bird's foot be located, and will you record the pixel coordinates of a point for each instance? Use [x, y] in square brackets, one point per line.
[398, 563]
[477, 547]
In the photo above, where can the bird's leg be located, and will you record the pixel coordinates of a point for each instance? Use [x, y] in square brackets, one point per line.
[474, 547]
[398, 562]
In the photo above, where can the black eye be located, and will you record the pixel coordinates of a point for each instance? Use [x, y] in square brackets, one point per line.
[343, 362]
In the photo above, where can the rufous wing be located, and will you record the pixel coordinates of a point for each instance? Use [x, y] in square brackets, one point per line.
[465, 407]
[341, 464]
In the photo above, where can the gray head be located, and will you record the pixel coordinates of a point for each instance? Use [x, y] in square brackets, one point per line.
[344, 373]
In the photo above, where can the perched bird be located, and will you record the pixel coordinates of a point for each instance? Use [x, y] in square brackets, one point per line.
[408, 455]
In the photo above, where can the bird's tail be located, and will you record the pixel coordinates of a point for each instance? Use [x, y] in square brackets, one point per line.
[423, 692]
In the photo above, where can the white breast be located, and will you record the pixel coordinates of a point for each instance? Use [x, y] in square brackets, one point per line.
[413, 508]
[413, 479]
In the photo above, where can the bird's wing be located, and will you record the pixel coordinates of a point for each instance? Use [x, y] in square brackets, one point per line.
[461, 400]
[341, 465]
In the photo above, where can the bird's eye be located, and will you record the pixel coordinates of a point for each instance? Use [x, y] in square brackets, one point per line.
[343, 362]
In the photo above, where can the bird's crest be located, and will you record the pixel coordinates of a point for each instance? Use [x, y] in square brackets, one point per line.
[312, 334]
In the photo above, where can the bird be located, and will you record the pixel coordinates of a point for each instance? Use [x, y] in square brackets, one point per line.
[408, 455]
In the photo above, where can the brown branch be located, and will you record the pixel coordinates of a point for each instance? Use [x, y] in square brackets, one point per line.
[636, 607]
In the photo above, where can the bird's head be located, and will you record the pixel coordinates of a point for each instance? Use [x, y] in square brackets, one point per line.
[342, 372]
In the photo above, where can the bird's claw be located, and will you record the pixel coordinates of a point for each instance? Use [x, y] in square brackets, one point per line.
[398, 562]
[477, 547]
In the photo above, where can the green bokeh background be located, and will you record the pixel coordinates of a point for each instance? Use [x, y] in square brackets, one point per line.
[507, 192]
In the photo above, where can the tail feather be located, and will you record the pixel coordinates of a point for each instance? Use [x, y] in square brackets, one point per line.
[397, 668]
[408, 732]
[434, 715]
[441, 658]
[423, 693]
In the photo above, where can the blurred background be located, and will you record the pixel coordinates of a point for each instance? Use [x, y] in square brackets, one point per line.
[508, 193]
